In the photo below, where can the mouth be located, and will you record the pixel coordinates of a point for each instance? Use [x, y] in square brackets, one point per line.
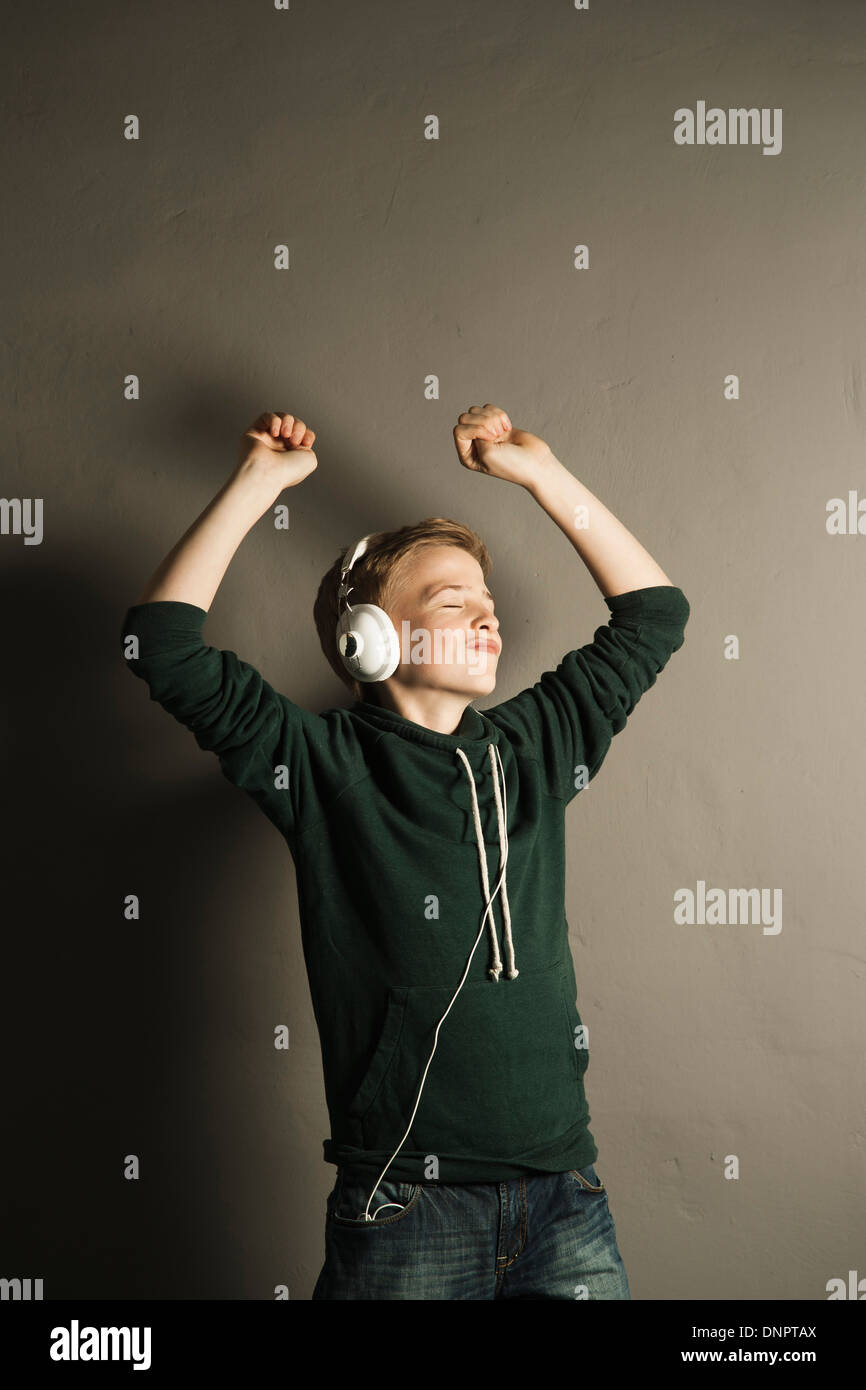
[487, 644]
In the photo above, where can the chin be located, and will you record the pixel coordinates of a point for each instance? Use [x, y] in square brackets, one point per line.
[480, 686]
[472, 687]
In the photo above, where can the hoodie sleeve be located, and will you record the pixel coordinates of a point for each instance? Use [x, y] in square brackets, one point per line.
[262, 739]
[570, 715]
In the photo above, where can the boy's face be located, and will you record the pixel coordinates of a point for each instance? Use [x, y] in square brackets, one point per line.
[449, 636]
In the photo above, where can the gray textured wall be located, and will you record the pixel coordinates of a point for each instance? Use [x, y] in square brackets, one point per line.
[453, 257]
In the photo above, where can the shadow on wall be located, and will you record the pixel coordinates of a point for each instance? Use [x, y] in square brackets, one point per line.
[151, 1037]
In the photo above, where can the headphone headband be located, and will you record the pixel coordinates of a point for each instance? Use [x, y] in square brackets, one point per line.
[359, 550]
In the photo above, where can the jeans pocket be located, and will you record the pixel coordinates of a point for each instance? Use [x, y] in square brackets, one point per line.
[588, 1179]
[353, 1198]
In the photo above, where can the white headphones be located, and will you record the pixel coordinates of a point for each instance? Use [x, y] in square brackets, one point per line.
[366, 638]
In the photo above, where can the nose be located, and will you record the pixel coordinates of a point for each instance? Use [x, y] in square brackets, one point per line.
[489, 621]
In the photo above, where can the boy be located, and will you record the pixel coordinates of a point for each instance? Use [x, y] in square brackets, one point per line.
[453, 1075]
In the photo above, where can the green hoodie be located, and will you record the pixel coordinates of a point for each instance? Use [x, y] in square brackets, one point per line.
[398, 837]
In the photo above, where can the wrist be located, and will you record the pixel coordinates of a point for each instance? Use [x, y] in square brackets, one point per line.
[254, 487]
[545, 469]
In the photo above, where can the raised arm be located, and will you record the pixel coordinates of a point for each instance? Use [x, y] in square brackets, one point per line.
[487, 443]
[569, 716]
[225, 702]
[275, 453]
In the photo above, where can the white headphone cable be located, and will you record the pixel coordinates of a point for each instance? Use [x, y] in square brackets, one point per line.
[488, 908]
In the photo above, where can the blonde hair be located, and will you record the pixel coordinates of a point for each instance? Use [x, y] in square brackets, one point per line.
[377, 575]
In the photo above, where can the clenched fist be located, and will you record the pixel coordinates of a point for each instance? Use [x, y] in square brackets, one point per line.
[487, 442]
[278, 447]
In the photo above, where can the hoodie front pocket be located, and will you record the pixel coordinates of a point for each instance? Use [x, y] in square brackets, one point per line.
[502, 1078]
[382, 1056]
[574, 1023]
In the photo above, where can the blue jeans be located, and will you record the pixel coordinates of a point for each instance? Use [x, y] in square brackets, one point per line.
[548, 1236]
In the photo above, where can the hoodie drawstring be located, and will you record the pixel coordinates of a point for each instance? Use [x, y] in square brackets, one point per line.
[495, 969]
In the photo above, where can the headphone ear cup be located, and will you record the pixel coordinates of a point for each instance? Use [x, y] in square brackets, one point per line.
[368, 643]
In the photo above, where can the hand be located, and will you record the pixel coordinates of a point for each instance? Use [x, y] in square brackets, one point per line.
[487, 443]
[278, 448]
